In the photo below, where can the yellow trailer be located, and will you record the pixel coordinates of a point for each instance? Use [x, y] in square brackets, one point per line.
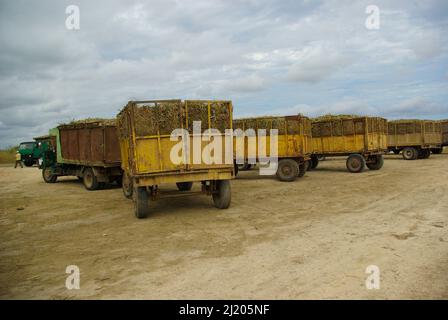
[293, 143]
[151, 157]
[362, 139]
[414, 138]
[444, 133]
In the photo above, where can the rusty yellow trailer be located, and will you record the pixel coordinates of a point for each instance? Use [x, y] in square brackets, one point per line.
[444, 134]
[414, 138]
[362, 139]
[293, 143]
[151, 157]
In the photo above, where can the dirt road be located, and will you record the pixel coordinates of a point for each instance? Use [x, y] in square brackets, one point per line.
[312, 238]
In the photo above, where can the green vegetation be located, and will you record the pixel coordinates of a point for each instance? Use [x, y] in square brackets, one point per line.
[8, 155]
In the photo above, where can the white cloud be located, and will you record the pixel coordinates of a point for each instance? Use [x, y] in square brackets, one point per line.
[265, 55]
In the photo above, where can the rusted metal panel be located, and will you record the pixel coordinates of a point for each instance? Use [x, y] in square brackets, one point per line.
[90, 144]
[112, 151]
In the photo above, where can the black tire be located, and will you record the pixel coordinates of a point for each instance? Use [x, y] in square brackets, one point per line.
[119, 181]
[127, 186]
[437, 150]
[377, 164]
[222, 196]
[184, 186]
[89, 180]
[141, 202]
[244, 167]
[356, 163]
[29, 162]
[303, 167]
[410, 153]
[48, 176]
[288, 170]
[314, 162]
[424, 154]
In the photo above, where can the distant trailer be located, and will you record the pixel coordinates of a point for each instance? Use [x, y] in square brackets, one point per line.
[86, 149]
[444, 133]
[294, 143]
[362, 139]
[414, 138]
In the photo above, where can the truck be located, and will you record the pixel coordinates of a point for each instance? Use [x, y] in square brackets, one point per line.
[363, 140]
[87, 149]
[444, 133]
[30, 152]
[414, 138]
[145, 131]
[294, 144]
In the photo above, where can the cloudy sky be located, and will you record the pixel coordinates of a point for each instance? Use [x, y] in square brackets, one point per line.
[268, 57]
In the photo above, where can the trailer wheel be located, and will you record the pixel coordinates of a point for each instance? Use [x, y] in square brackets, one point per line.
[141, 203]
[424, 154]
[89, 179]
[184, 186]
[222, 196]
[437, 150]
[356, 163]
[127, 186]
[377, 164]
[244, 167]
[48, 176]
[314, 162]
[29, 163]
[303, 167]
[410, 153]
[235, 168]
[119, 180]
[288, 170]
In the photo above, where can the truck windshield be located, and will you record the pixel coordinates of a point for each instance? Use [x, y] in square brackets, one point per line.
[27, 145]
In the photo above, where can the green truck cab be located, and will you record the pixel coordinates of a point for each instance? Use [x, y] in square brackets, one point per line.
[30, 152]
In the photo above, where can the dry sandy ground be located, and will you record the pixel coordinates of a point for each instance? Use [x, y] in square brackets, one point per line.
[312, 238]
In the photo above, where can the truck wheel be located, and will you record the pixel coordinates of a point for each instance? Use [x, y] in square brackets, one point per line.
[377, 164]
[222, 196]
[48, 176]
[356, 163]
[28, 163]
[141, 203]
[89, 179]
[288, 170]
[127, 186]
[410, 153]
[184, 186]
